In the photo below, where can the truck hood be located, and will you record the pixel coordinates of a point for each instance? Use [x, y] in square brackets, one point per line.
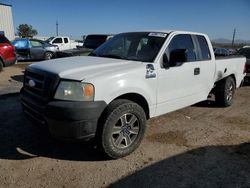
[84, 67]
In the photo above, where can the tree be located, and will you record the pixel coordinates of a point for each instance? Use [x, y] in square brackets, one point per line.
[25, 30]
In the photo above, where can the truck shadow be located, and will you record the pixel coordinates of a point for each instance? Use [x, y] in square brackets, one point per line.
[20, 140]
[212, 166]
[18, 78]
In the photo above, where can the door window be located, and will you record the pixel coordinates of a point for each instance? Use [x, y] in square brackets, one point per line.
[35, 43]
[57, 41]
[181, 42]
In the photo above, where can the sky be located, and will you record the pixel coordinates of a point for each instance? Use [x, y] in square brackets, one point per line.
[217, 18]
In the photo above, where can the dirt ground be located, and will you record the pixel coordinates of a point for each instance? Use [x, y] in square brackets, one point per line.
[199, 146]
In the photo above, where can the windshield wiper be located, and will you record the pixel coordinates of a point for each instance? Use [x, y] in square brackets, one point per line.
[112, 56]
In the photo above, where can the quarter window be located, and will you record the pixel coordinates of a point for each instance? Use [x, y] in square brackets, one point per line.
[66, 40]
[205, 52]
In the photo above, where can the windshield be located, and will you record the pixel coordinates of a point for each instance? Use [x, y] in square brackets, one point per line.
[139, 46]
[245, 52]
[49, 39]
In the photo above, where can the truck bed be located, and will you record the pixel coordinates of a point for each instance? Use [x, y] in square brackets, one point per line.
[226, 66]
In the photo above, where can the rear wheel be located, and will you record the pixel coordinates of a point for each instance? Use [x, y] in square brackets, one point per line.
[123, 129]
[225, 92]
[48, 55]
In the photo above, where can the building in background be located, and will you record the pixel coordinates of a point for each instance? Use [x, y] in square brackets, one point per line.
[6, 21]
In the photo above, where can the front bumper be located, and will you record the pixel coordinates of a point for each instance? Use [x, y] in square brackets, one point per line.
[65, 119]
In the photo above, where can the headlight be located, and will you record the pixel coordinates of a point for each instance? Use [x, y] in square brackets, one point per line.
[75, 91]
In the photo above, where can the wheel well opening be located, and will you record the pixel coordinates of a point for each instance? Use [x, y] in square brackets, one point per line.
[137, 99]
[233, 76]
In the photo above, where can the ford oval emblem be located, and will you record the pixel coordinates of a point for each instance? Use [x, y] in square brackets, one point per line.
[32, 83]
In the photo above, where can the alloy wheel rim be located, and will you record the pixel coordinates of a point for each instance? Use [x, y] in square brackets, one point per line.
[49, 55]
[125, 131]
[230, 92]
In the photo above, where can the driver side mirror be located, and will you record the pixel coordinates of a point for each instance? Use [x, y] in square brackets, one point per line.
[178, 57]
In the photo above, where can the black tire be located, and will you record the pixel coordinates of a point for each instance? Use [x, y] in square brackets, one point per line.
[123, 129]
[224, 93]
[1, 65]
[48, 55]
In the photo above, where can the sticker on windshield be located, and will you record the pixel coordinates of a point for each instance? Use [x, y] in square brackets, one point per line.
[163, 35]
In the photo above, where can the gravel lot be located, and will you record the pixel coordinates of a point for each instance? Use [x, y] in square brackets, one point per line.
[199, 146]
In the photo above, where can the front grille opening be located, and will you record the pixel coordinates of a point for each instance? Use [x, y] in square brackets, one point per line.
[38, 84]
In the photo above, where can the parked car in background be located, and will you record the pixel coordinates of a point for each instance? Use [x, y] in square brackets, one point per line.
[7, 52]
[63, 42]
[34, 49]
[90, 43]
[94, 41]
[221, 52]
[245, 51]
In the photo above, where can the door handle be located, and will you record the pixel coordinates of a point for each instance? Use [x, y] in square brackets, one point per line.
[196, 71]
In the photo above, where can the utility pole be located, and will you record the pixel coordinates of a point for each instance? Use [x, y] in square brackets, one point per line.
[57, 28]
[233, 37]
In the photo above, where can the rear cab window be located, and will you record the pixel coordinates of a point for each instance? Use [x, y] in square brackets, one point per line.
[203, 53]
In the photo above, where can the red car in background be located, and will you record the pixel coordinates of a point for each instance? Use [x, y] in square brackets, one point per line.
[7, 52]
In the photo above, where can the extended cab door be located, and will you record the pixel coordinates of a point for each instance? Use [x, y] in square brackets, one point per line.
[180, 84]
[67, 44]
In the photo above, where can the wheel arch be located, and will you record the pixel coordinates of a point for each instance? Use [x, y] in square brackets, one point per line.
[136, 98]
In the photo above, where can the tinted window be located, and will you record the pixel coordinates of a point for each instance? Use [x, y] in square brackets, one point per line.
[182, 42]
[66, 40]
[3, 39]
[35, 43]
[94, 41]
[58, 40]
[205, 53]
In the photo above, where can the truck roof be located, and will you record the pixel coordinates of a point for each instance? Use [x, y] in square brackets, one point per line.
[168, 31]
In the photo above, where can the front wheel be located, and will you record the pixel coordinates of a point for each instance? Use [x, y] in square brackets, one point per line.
[123, 130]
[48, 55]
[225, 92]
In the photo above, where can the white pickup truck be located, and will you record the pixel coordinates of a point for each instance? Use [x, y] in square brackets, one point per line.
[134, 76]
[63, 42]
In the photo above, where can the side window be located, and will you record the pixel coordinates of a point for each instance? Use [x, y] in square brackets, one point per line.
[35, 43]
[205, 52]
[182, 42]
[66, 40]
[57, 40]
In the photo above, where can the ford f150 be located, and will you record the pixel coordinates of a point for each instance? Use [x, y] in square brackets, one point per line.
[134, 76]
